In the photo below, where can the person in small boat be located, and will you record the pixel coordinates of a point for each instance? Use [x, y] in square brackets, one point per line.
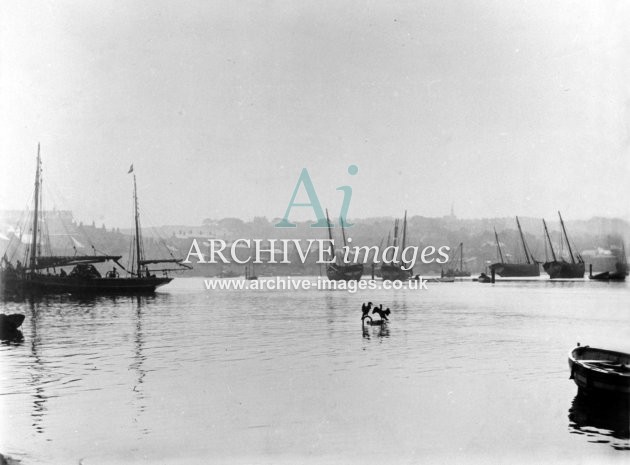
[366, 309]
[382, 313]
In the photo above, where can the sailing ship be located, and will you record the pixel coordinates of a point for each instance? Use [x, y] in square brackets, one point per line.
[621, 266]
[559, 267]
[338, 270]
[459, 272]
[46, 274]
[514, 270]
[394, 271]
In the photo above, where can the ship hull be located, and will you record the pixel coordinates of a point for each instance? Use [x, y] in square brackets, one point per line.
[515, 270]
[395, 273]
[562, 269]
[344, 273]
[450, 273]
[53, 284]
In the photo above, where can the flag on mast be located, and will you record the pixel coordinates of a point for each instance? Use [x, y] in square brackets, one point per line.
[130, 169]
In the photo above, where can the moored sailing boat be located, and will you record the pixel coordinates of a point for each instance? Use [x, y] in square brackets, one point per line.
[394, 271]
[84, 278]
[621, 267]
[513, 270]
[459, 272]
[338, 270]
[558, 267]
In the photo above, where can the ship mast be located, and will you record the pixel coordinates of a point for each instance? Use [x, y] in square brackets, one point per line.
[496, 236]
[404, 238]
[461, 256]
[332, 243]
[566, 238]
[138, 249]
[33, 256]
[553, 254]
[523, 241]
[343, 232]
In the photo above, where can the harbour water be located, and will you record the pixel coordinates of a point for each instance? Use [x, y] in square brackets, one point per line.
[464, 373]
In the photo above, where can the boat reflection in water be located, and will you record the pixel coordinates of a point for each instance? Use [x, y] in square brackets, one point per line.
[601, 420]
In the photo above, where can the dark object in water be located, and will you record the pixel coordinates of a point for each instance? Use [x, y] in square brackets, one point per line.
[604, 276]
[608, 416]
[558, 267]
[11, 322]
[382, 313]
[368, 321]
[365, 309]
[512, 270]
[600, 371]
[484, 278]
[9, 325]
[34, 278]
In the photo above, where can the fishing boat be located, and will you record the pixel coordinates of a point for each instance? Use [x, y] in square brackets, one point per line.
[46, 274]
[394, 271]
[559, 267]
[338, 270]
[458, 272]
[515, 270]
[600, 371]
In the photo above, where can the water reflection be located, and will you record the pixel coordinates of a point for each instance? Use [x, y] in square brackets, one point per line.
[37, 371]
[10, 336]
[601, 420]
[138, 364]
[376, 331]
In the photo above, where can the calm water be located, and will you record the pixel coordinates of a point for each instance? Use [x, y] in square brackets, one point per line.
[464, 372]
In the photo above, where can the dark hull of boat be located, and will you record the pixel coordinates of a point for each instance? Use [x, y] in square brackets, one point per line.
[617, 276]
[45, 284]
[515, 270]
[600, 371]
[605, 276]
[344, 273]
[11, 322]
[564, 269]
[395, 273]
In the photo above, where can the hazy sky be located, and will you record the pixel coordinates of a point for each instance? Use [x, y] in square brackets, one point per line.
[498, 107]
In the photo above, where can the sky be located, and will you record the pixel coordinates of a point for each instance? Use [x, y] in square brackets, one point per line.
[497, 108]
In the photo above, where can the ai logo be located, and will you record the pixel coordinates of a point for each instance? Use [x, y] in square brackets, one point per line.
[305, 180]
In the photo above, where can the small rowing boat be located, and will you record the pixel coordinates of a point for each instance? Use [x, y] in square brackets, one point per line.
[600, 371]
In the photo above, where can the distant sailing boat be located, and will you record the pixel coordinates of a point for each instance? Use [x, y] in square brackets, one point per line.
[394, 271]
[36, 277]
[460, 272]
[337, 271]
[249, 273]
[513, 270]
[558, 267]
[621, 267]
